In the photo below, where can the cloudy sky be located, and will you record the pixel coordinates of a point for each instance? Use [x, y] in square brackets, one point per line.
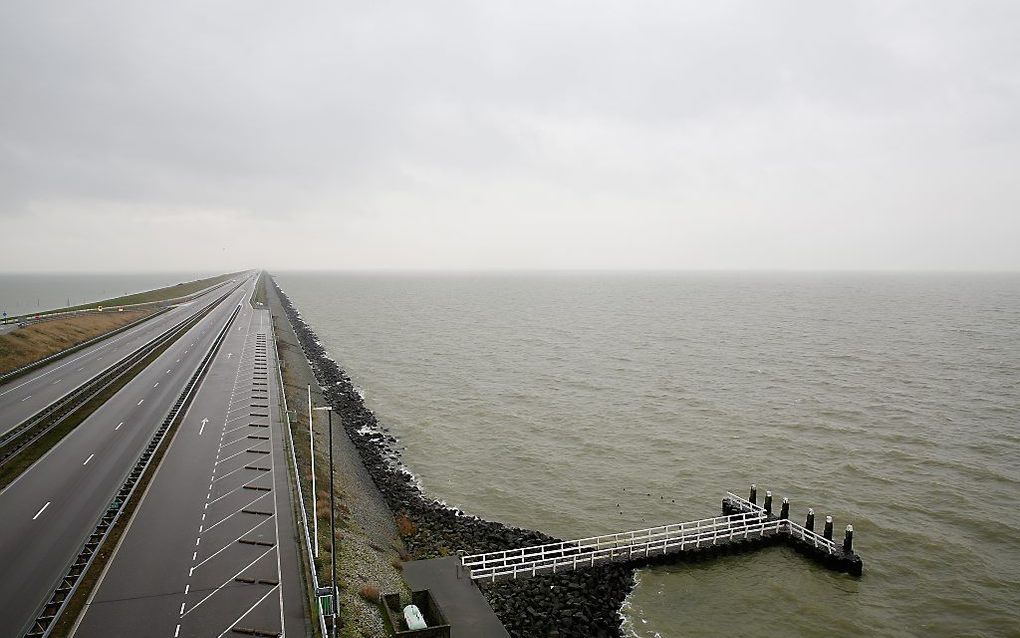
[217, 135]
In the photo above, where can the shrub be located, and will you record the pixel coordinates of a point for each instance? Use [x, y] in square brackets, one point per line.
[370, 593]
[405, 526]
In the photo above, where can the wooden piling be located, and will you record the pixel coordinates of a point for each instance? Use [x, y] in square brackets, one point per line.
[754, 493]
[848, 540]
[768, 502]
[809, 524]
[827, 534]
[784, 511]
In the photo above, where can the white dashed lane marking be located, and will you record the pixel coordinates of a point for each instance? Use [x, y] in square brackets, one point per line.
[41, 510]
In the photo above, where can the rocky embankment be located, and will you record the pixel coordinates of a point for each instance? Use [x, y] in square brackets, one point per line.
[583, 604]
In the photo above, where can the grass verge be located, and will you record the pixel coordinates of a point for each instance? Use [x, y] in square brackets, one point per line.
[17, 465]
[182, 289]
[23, 346]
[259, 298]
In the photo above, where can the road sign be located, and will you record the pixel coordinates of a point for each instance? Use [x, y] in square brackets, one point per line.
[326, 605]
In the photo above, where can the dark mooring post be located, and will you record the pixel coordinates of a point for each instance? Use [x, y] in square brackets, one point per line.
[768, 502]
[827, 534]
[754, 494]
[848, 540]
[809, 524]
[784, 511]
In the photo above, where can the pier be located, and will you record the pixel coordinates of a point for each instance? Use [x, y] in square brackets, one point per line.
[744, 525]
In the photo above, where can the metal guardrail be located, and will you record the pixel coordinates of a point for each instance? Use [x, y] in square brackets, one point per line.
[32, 318]
[34, 427]
[7, 376]
[305, 526]
[51, 610]
[28, 367]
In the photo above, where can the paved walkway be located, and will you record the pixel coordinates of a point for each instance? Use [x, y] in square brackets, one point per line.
[466, 609]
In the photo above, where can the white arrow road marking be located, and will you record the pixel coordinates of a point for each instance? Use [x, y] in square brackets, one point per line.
[202, 429]
[230, 354]
[41, 510]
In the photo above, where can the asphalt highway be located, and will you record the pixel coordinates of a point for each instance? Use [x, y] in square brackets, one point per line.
[212, 548]
[50, 509]
[25, 396]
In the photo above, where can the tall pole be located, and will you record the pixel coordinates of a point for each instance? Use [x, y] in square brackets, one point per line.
[311, 455]
[332, 528]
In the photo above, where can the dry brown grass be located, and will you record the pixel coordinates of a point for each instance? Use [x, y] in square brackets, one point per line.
[149, 296]
[370, 593]
[405, 526]
[31, 343]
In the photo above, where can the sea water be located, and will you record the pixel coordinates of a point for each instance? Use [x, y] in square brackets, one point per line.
[581, 404]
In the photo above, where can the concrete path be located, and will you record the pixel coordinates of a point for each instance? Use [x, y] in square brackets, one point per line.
[465, 608]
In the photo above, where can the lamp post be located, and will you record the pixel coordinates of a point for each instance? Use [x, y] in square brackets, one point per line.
[311, 455]
[332, 523]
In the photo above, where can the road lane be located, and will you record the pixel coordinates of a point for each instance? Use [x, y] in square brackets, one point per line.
[36, 545]
[213, 546]
[24, 397]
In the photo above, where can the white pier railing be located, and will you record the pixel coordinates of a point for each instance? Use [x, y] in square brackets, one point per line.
[596, 550]
[820, 542]
[794, 529]
[751, 521]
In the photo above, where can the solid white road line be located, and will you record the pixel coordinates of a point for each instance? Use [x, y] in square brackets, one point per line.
[142, 401]
[88, 459]
[118, 426]
[26, 398]
[43, 509]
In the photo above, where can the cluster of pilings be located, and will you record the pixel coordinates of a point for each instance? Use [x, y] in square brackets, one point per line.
[803, 538]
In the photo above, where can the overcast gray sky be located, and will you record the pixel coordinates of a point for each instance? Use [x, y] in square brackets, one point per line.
[218, 135]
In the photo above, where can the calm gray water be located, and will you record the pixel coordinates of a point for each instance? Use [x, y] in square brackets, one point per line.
[561, 402]
[23, 293]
